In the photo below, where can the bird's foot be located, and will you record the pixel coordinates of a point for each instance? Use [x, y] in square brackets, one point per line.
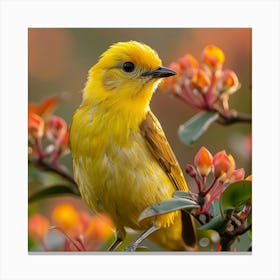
[131, 248]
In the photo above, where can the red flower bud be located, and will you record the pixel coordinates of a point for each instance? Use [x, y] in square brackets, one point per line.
[45, 108]
[35, 126]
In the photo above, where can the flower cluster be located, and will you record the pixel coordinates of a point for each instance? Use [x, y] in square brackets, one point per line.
[206, 87]
[81, 231]
[43, 125]
[222, 167]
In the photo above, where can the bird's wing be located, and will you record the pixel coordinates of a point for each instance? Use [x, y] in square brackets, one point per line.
[158, 144]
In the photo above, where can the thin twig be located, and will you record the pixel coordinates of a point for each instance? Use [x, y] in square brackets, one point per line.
[43, 165]
[233, 117]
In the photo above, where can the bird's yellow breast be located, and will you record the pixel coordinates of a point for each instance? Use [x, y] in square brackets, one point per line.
[116, 173]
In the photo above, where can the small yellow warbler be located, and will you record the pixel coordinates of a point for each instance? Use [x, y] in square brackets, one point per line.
[121, 159]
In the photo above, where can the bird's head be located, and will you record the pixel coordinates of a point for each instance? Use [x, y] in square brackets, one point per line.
[127, 71]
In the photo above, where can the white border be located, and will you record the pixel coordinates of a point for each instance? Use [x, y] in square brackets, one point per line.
[17, 16]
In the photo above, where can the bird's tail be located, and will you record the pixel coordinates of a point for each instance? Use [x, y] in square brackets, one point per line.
[188, 230]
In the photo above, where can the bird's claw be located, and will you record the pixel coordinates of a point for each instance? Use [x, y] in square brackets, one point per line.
[130, 248]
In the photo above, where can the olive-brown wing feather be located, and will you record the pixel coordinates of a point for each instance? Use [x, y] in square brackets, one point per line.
[158, 144]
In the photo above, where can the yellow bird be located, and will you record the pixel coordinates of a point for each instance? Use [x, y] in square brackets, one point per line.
[122, 161]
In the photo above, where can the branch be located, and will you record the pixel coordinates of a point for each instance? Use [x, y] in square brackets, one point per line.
[228, 237]
[232, 117]
[45, 166]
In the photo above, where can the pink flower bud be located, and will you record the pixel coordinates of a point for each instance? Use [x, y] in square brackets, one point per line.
[237, 175]
[57, 131]
[176, 67]
[56, 128]
[191, 170]
[221, 164]
[189, 64]
[63, 143]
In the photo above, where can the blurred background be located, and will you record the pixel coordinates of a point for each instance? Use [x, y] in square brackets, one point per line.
[59, 60]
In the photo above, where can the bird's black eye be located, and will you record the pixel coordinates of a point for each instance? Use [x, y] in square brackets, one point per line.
[128, 66]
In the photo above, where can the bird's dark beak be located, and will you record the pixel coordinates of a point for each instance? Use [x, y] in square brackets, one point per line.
[161, 72]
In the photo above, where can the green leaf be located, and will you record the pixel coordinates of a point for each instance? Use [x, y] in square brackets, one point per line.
[236, 194]
[53, 191]
[215, 208]
[185, 195]
[167, 206]
[190, 131]
[218, 223]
